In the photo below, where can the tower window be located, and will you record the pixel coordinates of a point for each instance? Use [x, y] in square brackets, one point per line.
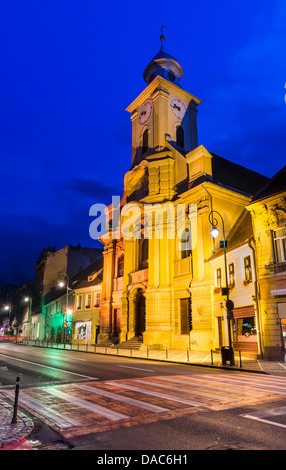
[151, 78]
[145, 141]
[180, 137]
[171, 76]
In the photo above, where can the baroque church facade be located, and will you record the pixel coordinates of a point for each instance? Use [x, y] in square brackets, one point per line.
[160, 288]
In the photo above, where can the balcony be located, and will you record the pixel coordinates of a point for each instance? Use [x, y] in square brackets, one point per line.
[276, 267]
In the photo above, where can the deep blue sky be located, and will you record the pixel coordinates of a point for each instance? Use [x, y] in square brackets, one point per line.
[69, 69]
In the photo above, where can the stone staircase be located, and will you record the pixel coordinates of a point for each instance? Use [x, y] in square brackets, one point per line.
[135, 342]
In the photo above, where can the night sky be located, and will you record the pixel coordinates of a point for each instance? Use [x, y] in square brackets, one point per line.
[69, 69]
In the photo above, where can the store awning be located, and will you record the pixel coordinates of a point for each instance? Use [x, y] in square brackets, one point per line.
[244, 312]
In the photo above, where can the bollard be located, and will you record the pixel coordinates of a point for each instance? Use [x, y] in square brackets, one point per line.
[131, 351]
[14, 419]
[105, 349]
[147, 351]
[212, 359]
[240, 363]
[166, 352]
[188, 358]
[117, 349]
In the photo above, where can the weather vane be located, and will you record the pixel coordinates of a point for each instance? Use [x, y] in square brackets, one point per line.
[161, 30]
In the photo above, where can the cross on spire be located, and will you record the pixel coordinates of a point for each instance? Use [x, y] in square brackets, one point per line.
[162, 37]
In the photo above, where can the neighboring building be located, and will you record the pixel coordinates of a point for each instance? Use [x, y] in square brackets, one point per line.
[55, 266]
[72, 312]
[241, 281]
[154, 288]
[87, 298]
[268, 210]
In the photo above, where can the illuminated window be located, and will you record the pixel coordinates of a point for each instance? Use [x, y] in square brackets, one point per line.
[88, 300]
[247, 269]
[180, 137]
[231, 274]
[279, 238]
[218, 277]
[97, 298]
[79, 302]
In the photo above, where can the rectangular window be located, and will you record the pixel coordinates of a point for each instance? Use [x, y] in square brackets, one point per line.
[218, 278]
[279, 237]
[88, 301]
[231, 279]
[186, 316]
[247, 269]
[97, 299]
[79, 302]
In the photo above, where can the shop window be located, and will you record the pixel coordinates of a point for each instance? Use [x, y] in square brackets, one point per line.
[245, 326]
[279, 238]
[247, 269]
[186, 316]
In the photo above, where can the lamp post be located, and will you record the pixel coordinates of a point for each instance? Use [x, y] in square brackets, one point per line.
[61, 284]
[8, 308]
[29, 299]
[215, 232]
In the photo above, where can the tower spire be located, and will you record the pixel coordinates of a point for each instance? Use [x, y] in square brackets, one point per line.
[162, 37]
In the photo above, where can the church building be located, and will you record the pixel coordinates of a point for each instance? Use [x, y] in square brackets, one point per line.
[157, 288]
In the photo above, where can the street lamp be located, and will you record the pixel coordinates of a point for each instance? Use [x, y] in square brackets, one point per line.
[61, 284]
[215, 232]
[29, 299]
[8, 308]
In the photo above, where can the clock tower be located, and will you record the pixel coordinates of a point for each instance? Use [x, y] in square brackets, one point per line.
[164, 111]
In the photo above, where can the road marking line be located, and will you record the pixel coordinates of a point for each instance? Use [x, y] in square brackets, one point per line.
[157, 394]
[138, 368]
[54, 416]
[101, 410]
[260, 415]
[130, 401]
[48, 367]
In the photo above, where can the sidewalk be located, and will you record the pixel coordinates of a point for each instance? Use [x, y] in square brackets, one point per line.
[12, 436]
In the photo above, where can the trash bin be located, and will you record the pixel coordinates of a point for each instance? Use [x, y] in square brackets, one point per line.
[227, 355]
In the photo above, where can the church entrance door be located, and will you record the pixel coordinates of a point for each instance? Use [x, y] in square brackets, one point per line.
[140, 325]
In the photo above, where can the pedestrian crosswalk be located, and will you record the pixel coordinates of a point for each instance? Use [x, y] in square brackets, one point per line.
[100, 405]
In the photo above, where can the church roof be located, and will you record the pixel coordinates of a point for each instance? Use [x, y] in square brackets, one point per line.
[275, 185]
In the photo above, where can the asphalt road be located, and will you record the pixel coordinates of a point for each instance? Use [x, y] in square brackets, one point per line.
[243, 419]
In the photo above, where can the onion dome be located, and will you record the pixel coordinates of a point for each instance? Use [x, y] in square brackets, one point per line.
[164, 65]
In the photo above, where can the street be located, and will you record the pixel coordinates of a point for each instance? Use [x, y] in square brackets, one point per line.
[85, 401]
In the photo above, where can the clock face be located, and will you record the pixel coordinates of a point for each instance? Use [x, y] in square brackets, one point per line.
[178, 108]
[145, 112]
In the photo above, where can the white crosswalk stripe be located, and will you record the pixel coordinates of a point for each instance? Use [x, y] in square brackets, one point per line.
[130, 401]
[101, 410]
[157, 394]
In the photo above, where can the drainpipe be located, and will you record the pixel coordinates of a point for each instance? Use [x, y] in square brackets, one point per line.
[251, 244]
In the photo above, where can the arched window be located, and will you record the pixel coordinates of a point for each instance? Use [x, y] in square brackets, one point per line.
[145, 141]
[144, 254]
[180, 137]
[120, 266]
